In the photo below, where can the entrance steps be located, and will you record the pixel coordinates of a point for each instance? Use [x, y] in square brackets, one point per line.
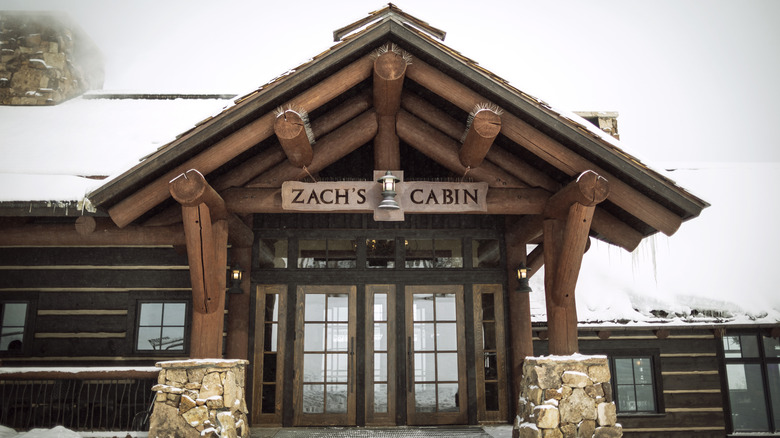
[493, 431]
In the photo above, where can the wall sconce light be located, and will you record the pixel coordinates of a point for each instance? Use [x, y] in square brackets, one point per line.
[236, 274]
[388, 192]
[522, 279]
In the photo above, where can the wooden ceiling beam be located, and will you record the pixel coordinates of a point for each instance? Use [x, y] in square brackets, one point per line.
[559, 156]
[482, 131]
[328, 150]
[511, 201]
[135, 205]
[500, 157]
[268, 158]
[444, 150]
[389, 72]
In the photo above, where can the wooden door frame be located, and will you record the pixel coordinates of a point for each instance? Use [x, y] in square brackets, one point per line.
[428, 418]
[483, 415]
[261, 292]
[372, 418]
[325, 418]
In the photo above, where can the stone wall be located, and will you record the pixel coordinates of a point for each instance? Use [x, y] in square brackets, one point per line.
[566, 397]
[45, 59]
[200, 398]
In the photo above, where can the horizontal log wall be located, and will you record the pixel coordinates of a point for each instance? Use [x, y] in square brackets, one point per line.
[692, 397]
[84, 300]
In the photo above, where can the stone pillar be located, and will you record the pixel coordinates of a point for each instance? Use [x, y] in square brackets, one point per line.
[200, 398]
[566, 397]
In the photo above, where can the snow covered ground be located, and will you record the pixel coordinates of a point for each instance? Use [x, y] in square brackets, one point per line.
[61, 432]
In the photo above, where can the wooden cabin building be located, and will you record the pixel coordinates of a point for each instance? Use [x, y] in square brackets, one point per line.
[356, 303]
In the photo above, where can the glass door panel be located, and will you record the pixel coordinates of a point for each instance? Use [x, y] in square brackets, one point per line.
[380, 354]
[325, 359]
[436, 390]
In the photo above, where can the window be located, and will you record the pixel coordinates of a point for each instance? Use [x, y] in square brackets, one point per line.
[635, 382]
[327, 253]
[161, 326]
[753, 375]
[13, 317]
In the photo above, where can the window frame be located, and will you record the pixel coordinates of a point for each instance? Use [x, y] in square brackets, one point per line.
[187, 328]
[26, 330]
[654, 355]
[763, 361]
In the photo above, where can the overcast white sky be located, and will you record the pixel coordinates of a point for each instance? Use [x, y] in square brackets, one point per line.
[693, 80]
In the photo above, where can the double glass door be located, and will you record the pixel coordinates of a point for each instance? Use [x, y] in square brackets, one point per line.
[378, 354]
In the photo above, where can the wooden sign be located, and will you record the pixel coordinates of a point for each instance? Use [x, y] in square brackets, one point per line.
[365, 196]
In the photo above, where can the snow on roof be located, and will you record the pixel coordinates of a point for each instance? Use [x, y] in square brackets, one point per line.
[717, 269]
[48, 151]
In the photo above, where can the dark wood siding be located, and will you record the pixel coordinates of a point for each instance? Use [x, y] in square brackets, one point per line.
[692, 399]
[83, 300]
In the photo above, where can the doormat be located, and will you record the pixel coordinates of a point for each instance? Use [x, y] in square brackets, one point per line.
[388, 432]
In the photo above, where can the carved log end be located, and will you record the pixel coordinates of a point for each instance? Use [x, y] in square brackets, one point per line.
[188, 188]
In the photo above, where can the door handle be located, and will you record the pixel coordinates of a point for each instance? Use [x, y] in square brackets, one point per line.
[410, 369]
[352, 364]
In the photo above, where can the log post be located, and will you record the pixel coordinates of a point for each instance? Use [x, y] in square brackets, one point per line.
[521, 338]
[237, 345]
[565, 241]
[205, 221]
[480, 134]
[389, 71]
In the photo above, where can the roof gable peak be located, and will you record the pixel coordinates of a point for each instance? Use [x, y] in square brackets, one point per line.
[388, 13]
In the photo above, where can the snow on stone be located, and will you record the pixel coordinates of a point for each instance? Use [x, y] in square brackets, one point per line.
[57, 432]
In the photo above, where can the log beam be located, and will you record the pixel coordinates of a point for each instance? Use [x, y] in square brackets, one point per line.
[268, 158]
[191, 189]
[510, 163]
[389, 71]
[444, 151]
[499, 201]
[588, 189]
[547, 148]
[328, 150]
[290, 129]
[135, 205]
[480, 135]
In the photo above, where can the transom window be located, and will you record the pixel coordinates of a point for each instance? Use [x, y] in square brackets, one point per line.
[634, 383]
[13, 317]
[161, 326]
[753, 374]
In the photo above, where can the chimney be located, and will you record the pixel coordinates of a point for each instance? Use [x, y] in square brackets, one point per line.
[45, 59]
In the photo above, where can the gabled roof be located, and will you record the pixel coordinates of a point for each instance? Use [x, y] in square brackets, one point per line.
[547, 145]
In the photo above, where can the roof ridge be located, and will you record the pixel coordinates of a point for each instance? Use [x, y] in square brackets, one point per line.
[389, 12]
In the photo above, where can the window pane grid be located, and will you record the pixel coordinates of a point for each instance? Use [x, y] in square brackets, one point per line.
[633, 377]
[161, 326]
[14, 316]
[753, 376]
